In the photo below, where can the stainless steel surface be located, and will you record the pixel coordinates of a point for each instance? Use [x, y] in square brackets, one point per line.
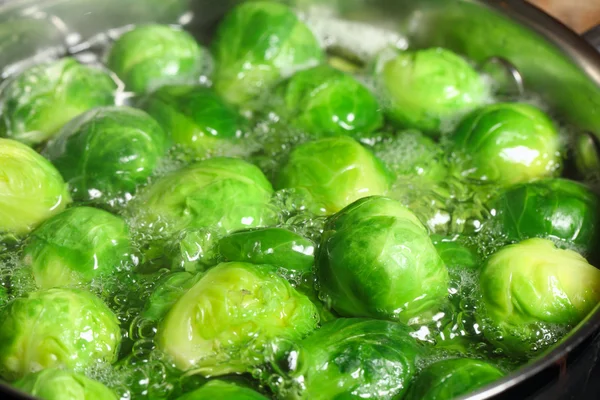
[593, 36]
[551, 60]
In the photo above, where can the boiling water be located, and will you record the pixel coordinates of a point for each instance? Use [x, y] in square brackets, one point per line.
[445, 207]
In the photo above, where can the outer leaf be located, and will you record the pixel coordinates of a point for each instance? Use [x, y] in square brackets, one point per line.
[531, 283]
[353, 359]
[107, 152]
[380, 263]
[39, 101]
[336, 172]
[275, 246]
[449, 379]
[76, 246]
[56, 384]
[422, 89]
[56, 328]
[150, 56]
[258, 44]
[225, 321]
[507, 143]
[31, 189]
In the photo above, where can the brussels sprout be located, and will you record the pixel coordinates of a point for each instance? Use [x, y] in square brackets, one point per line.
[550, 208]
[424, 88]
[107, 152]
[448, 379]
[223, 323]
[150, 56]
[258, 44]
[454, 254]
[532, 283]
[167, 292]
[226, 194]
[275, 246]
[194, 116]
[325, 101]
[507, 143]
[56, 328]
[76, 246]
[56, 384]
[194, 250]
[354, 359]
[37, 103]
[219, 390]
[376, 260]
[31, 189]
[335, 171]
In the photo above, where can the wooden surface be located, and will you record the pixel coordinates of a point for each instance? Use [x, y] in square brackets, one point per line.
[580, 15]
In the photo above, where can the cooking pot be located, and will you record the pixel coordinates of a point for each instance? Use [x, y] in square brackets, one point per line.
[521, 46]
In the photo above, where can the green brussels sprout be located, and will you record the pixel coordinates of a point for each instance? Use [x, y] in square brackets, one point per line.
[150, 56]
[76, 246]
[275, 44]
[56, 328]
[448, 379]
[167, 292]
[550, 208]
[31, 189]
[336, 172]
[226, 194]
[529, 285]
[56, 384]
[219, 390]
[455, 254]
[324, 101]
[275, 246]
[37, 103]
[223, 323]
[507, 143]
[195, 117]
[354, 359]
[107, 152]
[377, 260]
[194, 250]
[424, 88]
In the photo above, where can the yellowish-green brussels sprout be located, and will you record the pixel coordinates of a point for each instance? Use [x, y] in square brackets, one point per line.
[31, 189]
[351, 359]
[274, 246]
[449, 379]
[37, 103]
[324, 102]
[559, 209]
[195, 117]
[422, 89]
[225, 321]
[226, 194]
[167, 292]
[219, 390]
[507, 143]
[150, 56]
[76, 246]
[57, 384]
[377, 260]
[275, 45]
[107, 152]
[335, 171]
[530, 285]
[64, 328]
